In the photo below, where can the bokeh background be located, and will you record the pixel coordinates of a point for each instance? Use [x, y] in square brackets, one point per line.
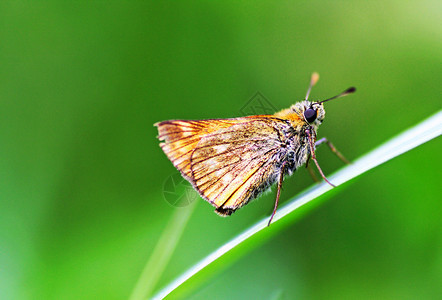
[81, 173]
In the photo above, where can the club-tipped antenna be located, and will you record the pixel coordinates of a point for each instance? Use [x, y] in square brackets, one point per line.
[348, 91]
[313, 80]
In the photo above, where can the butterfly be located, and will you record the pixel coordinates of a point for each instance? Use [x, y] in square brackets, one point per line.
[232, 161]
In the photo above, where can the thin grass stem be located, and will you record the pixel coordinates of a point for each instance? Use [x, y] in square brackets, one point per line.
[162, 253]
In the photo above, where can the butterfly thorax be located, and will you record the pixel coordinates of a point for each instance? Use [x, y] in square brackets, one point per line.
[298, 149]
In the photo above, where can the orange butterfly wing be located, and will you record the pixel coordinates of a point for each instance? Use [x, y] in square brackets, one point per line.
[181, 137]
[228, 161]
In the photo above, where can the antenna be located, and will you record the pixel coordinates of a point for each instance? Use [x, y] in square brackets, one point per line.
[348, 91]
[313, 80]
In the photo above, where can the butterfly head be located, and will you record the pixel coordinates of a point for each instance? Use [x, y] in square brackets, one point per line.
[312, 113]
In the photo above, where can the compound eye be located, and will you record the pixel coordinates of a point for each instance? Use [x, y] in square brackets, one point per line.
[310, 115]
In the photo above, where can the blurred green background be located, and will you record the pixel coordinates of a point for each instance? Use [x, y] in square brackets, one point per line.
[81, 202]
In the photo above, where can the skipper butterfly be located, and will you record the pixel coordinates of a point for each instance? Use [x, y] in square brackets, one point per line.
[232, 161]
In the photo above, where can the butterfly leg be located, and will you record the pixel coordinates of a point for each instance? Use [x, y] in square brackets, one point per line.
[278, 192]
[312, 151]
[332, 148]
[310, 171]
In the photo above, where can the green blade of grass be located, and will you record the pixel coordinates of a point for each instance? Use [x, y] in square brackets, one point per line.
[413, 137]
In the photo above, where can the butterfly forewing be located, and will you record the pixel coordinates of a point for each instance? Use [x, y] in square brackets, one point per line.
[230, 163]
[181, 137]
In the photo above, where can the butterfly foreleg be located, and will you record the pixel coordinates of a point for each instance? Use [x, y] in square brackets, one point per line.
[310, 170]
[313, 155]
